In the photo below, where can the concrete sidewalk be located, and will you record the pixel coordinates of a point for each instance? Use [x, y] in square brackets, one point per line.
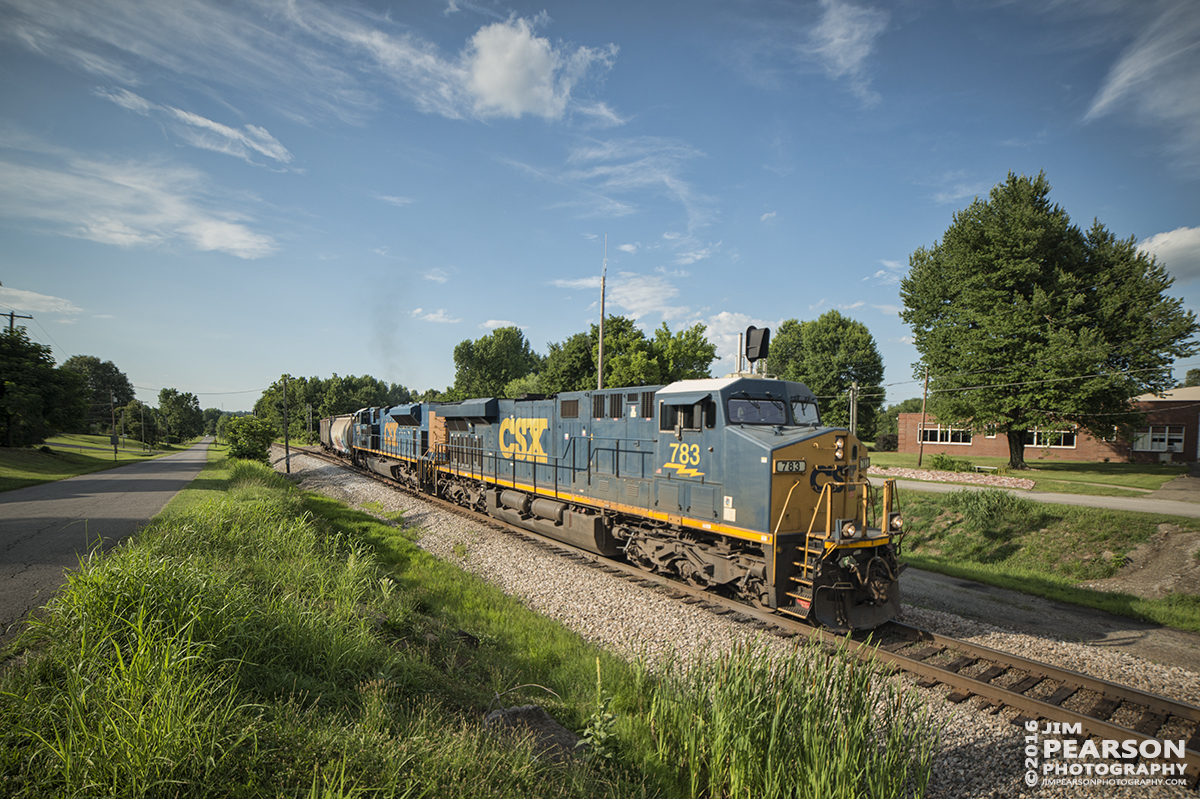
[1180, 497]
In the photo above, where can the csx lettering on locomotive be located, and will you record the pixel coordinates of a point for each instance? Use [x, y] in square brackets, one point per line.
[522, 439]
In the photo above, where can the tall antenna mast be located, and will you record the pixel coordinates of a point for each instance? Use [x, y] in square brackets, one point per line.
[600, 359]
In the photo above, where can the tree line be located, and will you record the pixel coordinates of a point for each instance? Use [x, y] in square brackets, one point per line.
[39, 399]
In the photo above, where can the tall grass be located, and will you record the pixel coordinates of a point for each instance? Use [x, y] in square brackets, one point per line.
[811, 723]
[267, 643]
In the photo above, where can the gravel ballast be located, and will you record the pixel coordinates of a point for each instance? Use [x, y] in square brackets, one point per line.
[981, 755]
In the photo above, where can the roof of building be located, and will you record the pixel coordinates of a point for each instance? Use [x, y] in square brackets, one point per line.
[1182, 394]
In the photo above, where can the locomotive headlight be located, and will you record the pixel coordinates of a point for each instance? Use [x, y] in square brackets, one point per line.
[849, 529]
[839, 444]
[895, 523]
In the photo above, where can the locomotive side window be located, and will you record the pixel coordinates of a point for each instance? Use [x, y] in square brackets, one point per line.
[682, 417]
[647, 404]
[570, 409]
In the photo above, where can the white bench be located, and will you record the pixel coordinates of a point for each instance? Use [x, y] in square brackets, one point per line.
[986, 468]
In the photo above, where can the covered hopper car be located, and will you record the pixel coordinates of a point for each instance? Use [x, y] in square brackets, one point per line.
[730, 484]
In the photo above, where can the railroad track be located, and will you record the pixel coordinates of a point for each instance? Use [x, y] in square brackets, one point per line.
[1041, 693]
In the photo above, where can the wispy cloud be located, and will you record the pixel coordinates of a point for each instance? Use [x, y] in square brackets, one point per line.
[1178, 250]
[600, 172]
[124, 203]
[769, 216]
[437, 275]
[888, 310]
[577, 283]
[202, 132]
[698, 254]
[956, 187]
[33, 302]
[305, 57]
[634, 294]
[492, 324]
[439, 315]
[891, 274]
[723, 329]
[399, 202]
[1155, 79]
[842, 42]
[629, 248]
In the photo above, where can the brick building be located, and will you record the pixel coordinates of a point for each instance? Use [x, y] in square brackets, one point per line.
[1170, 434]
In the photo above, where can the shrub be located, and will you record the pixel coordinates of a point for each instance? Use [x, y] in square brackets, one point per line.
[946, 463]
[249, 438]
[887, 442]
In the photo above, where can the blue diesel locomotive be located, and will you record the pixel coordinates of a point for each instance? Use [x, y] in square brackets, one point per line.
[730, 484]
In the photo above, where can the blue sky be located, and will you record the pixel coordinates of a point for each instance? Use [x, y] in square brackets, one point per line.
[211, 194]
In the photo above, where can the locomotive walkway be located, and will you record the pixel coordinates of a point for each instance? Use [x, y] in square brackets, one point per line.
[47, 529]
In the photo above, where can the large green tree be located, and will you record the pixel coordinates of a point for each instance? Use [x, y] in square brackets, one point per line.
[37, 399]
[829, 355]
[180, 414]
[107, 388]
[483, 367]
[1023, 321]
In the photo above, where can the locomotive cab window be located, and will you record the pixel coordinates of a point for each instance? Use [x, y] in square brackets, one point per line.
[804, 412]
[679, 417]
[744, 409]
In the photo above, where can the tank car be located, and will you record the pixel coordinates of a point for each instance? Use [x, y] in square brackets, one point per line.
[731, 484]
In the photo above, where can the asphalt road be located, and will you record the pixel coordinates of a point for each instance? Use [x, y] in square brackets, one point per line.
[47, 529]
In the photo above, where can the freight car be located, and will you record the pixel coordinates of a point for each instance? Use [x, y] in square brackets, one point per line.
[731, 484]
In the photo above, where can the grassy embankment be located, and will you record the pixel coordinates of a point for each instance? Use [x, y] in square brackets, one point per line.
[70, 456]
[1064, 477]
[256, 641]
[1043, 549]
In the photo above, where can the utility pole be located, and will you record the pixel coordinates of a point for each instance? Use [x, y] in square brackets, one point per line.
[12, 316]
[309, 404]
[854, 408]
[600, 358]
[287, 452]
[112, 407]
[921, 430]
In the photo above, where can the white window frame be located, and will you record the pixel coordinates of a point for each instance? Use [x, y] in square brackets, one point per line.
[1041, 437]
[944, 435]
[1160, 438]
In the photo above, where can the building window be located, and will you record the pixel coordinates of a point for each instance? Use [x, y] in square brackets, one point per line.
[1050, 439]
[1159, 439]
[989, 431]
[945, 435]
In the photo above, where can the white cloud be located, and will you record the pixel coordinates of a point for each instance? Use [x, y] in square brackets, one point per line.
[512, 72]
[1155, 79]
[209, 135]
[629, 248]
[819, 303]
[437, 275]
[602, 171]
[888, 310]
[1178, 250]
[304, 57]
[127, 204]
[723, 329]
[399, 202]
[202, 132]
[33, 302]
[642, 295]
[577, 283]
[492, 324]
[434, 316]
[851, 306]
[891, 275]
[769, 216]
[699, 254]
[842, 42]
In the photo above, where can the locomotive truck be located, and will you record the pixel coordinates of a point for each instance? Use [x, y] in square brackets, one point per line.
[731, 484]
